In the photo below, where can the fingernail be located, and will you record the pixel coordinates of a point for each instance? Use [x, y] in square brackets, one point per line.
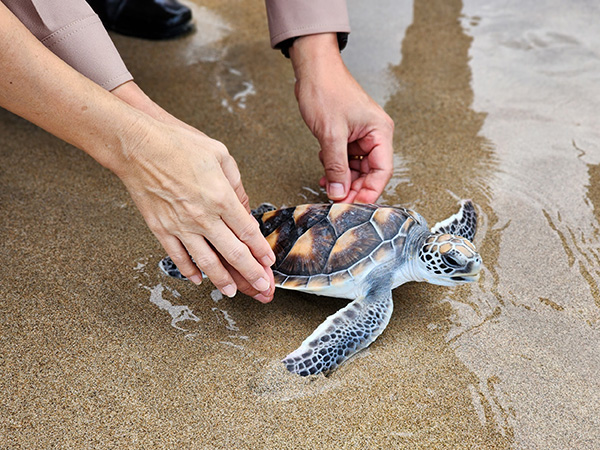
[335, 190]
[229, 290]
[196, 279]
[261, 285]
[268, 260]
[262, 298]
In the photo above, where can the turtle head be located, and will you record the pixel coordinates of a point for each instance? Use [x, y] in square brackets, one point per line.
[448, 260]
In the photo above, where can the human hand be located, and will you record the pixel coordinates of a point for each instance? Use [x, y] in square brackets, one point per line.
[354, 133]
[134, 96]
[185, 184]
[189, 191]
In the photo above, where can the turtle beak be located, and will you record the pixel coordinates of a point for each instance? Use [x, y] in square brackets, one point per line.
[465, 278]
[471, 275]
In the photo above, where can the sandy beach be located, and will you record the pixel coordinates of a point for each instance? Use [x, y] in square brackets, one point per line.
[494, 102]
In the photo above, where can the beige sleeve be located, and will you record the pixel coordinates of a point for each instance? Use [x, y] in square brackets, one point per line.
[72, 31]
[292, 18]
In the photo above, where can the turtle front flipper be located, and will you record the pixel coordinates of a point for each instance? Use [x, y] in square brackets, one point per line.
[343, 334]
[463, 223]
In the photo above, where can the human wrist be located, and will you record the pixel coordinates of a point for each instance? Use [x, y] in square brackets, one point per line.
[312, 52]
[120, 139]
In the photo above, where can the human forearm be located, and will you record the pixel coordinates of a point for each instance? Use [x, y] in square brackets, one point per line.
[38, 86]
[185, 184]
[131, 94]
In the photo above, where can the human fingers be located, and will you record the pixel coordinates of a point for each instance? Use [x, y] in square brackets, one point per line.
[234, 248]
[246, 229]
[356, 167]
[181, 258]
[357, 161]
[209, 262]
[359, 168]
[233, 232]
[232, 173]
[237, 216]
[354, 160]
[206, 258]
[247, 288]
[366, 184]
[334, 157]
[376, 170]
[368, 189]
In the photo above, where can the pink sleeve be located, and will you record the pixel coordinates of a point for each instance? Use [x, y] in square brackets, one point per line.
[72, 31]
[292, 18]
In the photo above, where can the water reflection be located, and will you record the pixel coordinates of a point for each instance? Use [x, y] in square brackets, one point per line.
[210, 30]
[375, 45]
[535, 74]
[437, 131]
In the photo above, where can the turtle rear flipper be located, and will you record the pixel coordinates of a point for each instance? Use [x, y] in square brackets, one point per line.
[463, 223]
[343, 334]
[263, 208]
[169, 268]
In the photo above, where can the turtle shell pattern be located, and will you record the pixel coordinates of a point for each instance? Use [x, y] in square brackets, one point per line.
[322, 245]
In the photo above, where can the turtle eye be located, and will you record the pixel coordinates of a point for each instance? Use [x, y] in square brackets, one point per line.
[451, 261]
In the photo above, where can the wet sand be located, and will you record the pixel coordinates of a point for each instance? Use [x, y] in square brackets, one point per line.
[99, 350]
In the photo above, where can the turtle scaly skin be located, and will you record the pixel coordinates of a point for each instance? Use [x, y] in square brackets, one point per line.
[361, 252]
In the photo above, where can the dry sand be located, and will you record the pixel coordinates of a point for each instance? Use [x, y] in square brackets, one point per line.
[100, 350]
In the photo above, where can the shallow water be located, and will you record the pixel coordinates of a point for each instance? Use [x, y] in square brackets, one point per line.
[494, 102]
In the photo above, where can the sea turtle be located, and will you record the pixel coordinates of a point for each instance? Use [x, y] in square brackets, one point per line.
[360, 252]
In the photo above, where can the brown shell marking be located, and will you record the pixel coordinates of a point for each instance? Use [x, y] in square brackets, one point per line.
[361, 267]
[344, 216]
[383, 253]
[305, 216]
[272, 239]
[311, 241]
[283, 227]
[399, 241]
[388, 221]
[279, 278]
[270, 214]
[271, 220]
[280, 231]
[300, 211]
[407, 225]
[309, 253]
[295, 282]
[352, 246]
[340, 278]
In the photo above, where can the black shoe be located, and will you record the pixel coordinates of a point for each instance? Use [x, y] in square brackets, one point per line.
[147, 19]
